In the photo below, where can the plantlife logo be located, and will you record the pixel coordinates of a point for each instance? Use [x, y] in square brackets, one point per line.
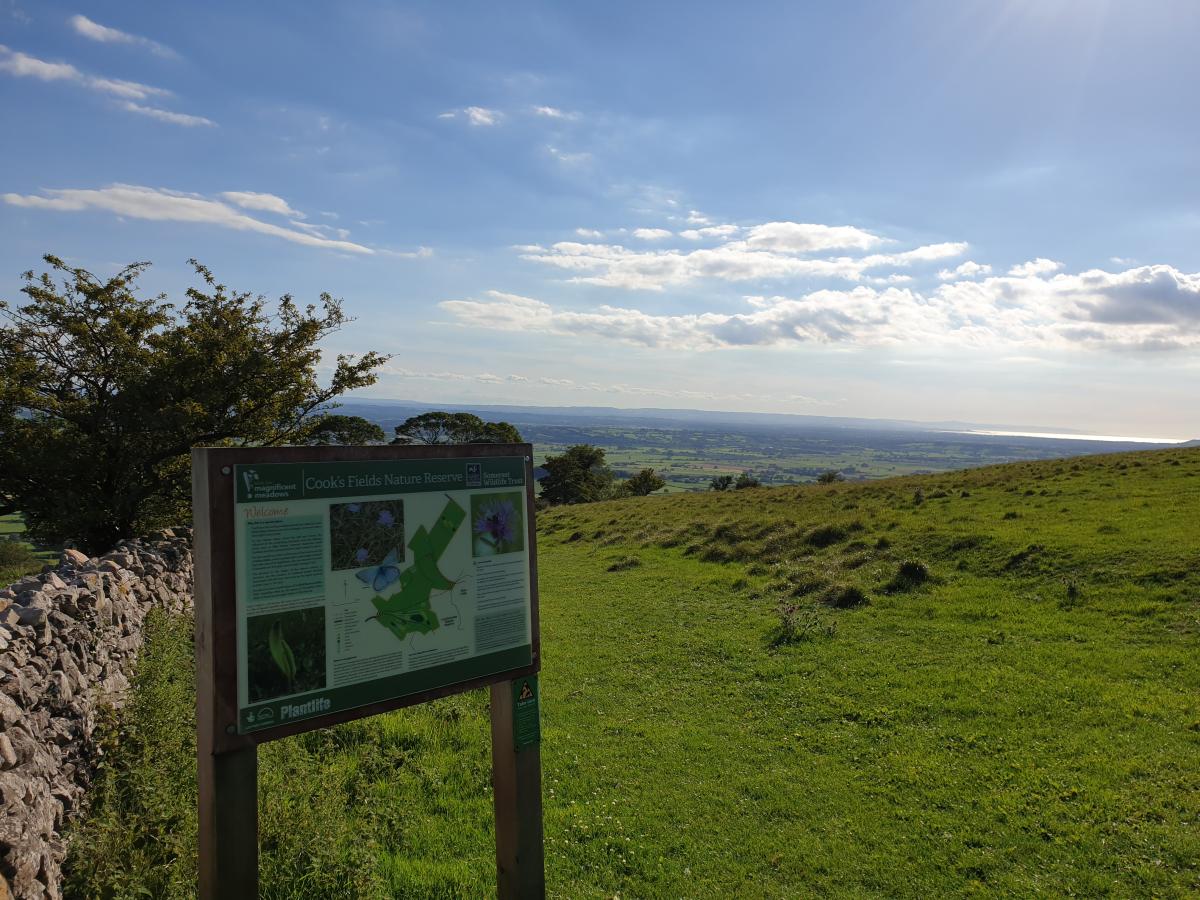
[249, 477]
[303, 710]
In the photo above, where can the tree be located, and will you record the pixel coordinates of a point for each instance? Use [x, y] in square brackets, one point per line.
[577, 476]
[104, 391]
[335, 429]
[644, 482]
[721, 483]
[746, 480]
[829, 476]
[454, 428]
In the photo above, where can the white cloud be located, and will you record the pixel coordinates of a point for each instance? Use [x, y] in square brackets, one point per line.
[478, 115]
[651, 234]
[797, 237]
[97, 32]
[419, 253]
[130, 90]
[165, 115]
[570, 159]
[264, 203]
[1151, 308]
[613, 265]
[161, 205]
[553, 112]
[22, 65]
[1037, 266]
[712, 231]
[828, 316]
[588, 233]
[695, 217]
[969, 269]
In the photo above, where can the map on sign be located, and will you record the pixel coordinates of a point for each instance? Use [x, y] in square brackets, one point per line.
[408, 609]
[359, 582]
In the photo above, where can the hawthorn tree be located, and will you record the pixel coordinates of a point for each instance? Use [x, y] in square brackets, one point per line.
[338, 429]
[579, 475]
[644, 482]
[104, 391]
[454, 428]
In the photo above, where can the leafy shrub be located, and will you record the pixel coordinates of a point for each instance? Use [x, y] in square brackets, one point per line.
[746, 480]
[721, 483]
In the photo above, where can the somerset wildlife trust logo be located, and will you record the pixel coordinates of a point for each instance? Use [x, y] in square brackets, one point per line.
[474, 474]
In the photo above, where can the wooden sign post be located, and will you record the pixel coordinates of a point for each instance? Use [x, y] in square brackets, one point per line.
[333, 583]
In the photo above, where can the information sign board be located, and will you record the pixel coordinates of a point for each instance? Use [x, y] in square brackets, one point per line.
[367, 578]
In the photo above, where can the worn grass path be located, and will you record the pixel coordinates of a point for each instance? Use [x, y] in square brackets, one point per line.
[1026, 722]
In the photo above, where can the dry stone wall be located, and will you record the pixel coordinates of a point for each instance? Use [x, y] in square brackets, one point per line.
[68, 641]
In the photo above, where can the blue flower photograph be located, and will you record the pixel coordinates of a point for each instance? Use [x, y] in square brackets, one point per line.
[366, 534]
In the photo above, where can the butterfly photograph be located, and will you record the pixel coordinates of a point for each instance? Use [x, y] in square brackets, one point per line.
[381, 576]
[368, 536]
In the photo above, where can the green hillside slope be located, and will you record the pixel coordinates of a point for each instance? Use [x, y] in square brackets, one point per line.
[984, 681]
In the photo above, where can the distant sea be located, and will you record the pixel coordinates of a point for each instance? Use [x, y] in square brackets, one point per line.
[1078, 437]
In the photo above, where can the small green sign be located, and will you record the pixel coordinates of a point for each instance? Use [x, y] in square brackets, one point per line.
[527, 729]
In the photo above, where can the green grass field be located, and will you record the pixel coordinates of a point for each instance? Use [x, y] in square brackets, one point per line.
[722, 717]
[17, 557]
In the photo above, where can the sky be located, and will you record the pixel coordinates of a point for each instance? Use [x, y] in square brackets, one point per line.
[972, 211]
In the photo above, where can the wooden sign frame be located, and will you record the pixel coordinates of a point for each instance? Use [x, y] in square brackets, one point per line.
[227, 759]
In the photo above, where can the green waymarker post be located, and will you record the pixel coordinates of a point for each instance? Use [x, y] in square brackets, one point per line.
[336, 583]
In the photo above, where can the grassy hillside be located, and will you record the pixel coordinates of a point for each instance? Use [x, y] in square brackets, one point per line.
[985, 681]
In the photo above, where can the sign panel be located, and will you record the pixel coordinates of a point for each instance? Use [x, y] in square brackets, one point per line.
[362, 581]
[527, 726]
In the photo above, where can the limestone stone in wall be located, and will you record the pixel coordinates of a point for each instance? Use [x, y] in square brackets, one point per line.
[68, 640]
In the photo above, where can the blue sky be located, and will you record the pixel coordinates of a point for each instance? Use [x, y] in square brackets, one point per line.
[979, 211]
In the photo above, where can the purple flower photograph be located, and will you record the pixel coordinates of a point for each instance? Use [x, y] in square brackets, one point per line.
[497, 523]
